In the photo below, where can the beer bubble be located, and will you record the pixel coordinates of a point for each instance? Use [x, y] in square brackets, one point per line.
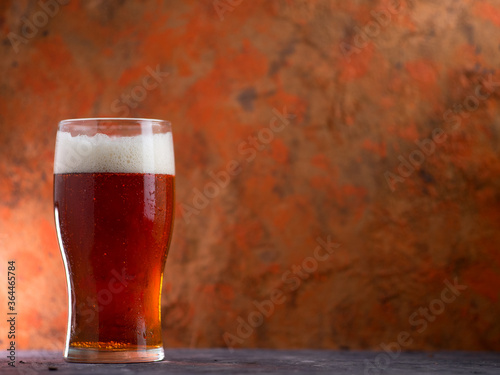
[147, 153]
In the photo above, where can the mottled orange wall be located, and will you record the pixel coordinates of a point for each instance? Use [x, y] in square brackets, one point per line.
[359, 103]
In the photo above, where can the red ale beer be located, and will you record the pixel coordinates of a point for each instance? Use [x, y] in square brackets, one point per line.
[114, 202]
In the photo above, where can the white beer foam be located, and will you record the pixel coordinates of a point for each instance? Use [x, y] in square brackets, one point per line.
[150, 153]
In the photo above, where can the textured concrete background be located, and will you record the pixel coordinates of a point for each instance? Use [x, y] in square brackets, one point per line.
[365, 82]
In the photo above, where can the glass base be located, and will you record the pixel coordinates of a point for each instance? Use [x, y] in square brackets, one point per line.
[113, 356]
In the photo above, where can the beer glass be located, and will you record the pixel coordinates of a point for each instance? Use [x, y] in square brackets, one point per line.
[113, 205]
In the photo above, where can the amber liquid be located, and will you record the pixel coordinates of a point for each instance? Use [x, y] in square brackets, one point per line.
[114, 231]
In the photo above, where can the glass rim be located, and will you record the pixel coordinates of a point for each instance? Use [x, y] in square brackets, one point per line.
[129, 120]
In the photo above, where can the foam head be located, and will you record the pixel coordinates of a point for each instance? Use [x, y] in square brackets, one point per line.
[149, 153]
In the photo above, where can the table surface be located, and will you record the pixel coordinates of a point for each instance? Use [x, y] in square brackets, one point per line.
[222, 361]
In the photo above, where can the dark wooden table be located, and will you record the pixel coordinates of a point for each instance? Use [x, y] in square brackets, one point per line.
[220, 361]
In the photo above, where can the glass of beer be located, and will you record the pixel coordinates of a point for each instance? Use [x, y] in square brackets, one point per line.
[113, 204]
